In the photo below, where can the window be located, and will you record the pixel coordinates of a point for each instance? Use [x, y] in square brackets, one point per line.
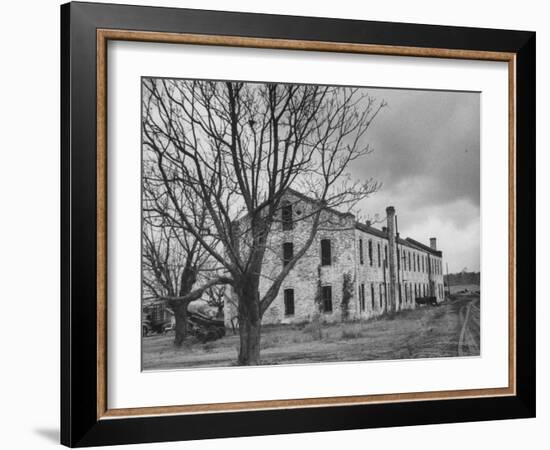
[409, 253]
[418, 262]
[372, 295]
[327, 298]
[362, 297]
[289, 302]
[286, 213]
[379, 264]
[414, 263]
[370, 252]
[423, 268]
[288, 252]
[326, 257]
[361, 251]
[386, 255]
[398, 259]
[380, 294]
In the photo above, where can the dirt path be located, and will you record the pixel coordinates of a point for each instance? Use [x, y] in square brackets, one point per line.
[426, 332]
[469, 340]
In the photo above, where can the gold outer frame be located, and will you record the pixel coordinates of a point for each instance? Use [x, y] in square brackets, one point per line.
[104, 35]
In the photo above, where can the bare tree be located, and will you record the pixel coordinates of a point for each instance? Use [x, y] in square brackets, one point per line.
[216, 298]
[173, 259]
[239, 147]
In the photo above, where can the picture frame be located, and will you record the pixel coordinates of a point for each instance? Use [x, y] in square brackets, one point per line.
[86, 418]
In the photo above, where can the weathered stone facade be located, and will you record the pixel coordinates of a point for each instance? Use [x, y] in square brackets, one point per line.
[346, 272]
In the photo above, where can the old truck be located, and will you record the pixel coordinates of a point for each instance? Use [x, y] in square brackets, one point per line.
[203, 321]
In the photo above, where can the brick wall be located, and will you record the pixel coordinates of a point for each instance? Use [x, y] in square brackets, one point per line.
[308, 275]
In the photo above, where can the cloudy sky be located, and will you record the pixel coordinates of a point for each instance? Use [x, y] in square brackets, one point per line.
[426, 154]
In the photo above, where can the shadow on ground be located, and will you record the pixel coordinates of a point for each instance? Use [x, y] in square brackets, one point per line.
[49, 434]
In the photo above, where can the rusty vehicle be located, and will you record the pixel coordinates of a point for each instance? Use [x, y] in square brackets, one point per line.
[203, 322]
[205, 328]
[156, 319]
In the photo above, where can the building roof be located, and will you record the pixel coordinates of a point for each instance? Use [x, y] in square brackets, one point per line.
[407, 242]
[370, 229]
[312, 200]
[422, 246]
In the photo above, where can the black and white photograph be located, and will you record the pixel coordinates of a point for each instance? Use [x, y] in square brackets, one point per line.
[298, 223]
[275, 225]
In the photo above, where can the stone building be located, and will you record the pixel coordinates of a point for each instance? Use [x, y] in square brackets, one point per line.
[352, 270]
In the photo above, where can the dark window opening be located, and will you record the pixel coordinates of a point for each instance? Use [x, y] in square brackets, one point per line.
[379, 258]
[370, 252]
[372, 295]
[327, 299]
[286, 213]
[289, 302]
[288, 252]
[326, 256]
[361, 251]
[362, 297]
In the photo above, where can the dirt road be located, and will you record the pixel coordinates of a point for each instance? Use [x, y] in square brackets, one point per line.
[469, 340]
[425, 332]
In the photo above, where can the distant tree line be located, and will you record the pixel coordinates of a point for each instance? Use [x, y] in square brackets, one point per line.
[463, 277]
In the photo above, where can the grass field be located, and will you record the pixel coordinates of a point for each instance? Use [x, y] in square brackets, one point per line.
[425, 332]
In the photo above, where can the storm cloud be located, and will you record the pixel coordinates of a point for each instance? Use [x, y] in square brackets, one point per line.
[427, 157]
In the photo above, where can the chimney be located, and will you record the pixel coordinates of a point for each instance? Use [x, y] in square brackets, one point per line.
[385, 229]
[390, 214]
[368, 222]
[433, 243]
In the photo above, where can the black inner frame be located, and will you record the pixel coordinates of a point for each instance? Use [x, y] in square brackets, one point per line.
[79, 424]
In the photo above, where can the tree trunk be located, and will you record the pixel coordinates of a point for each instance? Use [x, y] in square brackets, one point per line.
[188, 279]
[249, 326]
[180, 314]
